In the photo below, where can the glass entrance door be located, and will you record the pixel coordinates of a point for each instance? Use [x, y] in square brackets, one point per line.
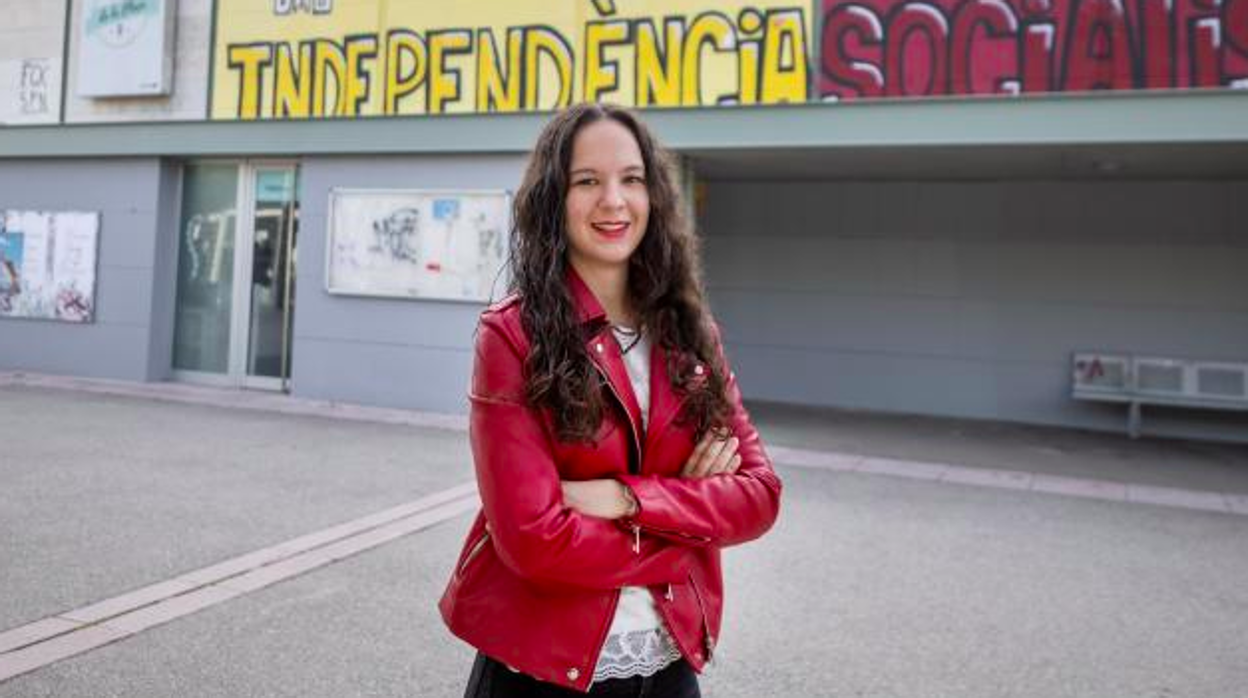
[274, 225]
[236, 273]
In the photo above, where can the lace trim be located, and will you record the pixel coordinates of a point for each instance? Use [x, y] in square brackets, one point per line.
[636, 653]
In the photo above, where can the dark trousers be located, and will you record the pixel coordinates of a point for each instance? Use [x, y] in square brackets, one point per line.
[492, 679]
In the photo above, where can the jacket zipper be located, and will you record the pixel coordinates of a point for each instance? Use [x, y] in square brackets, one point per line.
[602, 634]
[472, 553]
[637, 445]
[708, 639]
[664, 612]
[632, 428]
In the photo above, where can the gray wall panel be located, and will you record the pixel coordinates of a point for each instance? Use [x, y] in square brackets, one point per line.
[389, 375]
[126, 235]
[863, 380]
[118, 184]
[125, 192]
[403, 353]
[97, 351]
[968, 298]
[440, 325]
[164, 256]
[123, 295]
[1095, 272]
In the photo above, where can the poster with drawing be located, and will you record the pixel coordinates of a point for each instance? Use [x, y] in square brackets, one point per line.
[47, 265]
[447, 245]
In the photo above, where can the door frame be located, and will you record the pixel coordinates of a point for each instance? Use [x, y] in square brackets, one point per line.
[236, 375]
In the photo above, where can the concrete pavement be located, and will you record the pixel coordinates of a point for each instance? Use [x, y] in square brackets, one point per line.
[869, 586]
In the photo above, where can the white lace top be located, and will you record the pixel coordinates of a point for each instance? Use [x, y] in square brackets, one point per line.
[637, 643]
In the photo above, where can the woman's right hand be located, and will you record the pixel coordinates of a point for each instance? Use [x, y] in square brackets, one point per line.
[715, 454]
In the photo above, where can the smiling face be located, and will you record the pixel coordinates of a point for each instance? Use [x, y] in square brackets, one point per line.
[607, 205]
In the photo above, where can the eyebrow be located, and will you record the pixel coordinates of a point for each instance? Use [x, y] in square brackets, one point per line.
[590, 170]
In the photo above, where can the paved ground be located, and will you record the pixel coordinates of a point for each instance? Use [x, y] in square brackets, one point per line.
[1064, 452]
[102, 494]
[870, 585]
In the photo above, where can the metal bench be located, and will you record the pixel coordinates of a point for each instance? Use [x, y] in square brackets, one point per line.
[1152, 380]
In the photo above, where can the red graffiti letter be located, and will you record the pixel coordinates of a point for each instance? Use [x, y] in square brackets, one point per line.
[1235, 22]
[842, 66]
[1157, 43]
[904, 58]
[998, 21]
[1235, 59]
[1037, 68]
[1098, 47]
[1204, 37]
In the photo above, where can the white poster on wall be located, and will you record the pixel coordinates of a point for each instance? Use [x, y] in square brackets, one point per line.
[125, 48]
[47, 264]
[417, 244]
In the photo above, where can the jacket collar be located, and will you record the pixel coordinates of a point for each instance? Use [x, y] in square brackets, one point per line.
[588, 310]
[665, 404]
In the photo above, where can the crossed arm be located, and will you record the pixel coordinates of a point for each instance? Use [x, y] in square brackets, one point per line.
[608, 498]
[563, 533]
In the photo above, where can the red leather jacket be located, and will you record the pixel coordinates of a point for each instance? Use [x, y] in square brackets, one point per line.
[536, 587]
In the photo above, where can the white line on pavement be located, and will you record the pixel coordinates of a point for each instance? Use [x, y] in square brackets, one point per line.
[1105, 490]
[28, 647]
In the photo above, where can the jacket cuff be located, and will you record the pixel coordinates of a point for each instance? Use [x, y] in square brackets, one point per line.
[659, 512]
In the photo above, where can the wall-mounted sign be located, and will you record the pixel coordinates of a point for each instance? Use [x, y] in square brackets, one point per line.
[277, 186]
[47, 265]
[417, 244]
[125, 48]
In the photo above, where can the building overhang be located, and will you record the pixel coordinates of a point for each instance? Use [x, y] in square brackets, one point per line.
[1203, 132]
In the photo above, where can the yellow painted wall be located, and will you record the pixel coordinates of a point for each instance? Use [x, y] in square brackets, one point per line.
[349, 58]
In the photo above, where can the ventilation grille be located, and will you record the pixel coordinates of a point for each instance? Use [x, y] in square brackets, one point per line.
[1222, 380]
[1165, 380]
[1102, 372]
[1159, 376]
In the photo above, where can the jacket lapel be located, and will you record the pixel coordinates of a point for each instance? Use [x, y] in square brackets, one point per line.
[665, 404]
[604, 351]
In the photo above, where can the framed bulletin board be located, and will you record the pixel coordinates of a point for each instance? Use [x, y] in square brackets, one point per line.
[47, 264]
[448, 245]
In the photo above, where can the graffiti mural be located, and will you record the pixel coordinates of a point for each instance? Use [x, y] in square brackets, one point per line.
[923, 48]
[384, 57]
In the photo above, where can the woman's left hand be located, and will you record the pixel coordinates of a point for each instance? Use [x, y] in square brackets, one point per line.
[606, 499]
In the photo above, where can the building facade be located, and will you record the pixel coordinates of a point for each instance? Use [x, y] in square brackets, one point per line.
[929, 206]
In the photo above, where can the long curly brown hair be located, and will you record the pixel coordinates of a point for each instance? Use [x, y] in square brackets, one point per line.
[664, 286]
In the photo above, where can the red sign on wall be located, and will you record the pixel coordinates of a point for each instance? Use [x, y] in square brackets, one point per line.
[922, 48]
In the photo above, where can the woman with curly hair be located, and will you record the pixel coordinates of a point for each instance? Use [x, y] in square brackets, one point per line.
[613, 455]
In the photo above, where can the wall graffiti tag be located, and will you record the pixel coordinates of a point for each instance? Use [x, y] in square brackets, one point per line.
[923, 48]
[319, 7]
[33, 86]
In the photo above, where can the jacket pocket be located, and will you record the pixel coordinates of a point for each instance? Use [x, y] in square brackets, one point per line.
[473, 551]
